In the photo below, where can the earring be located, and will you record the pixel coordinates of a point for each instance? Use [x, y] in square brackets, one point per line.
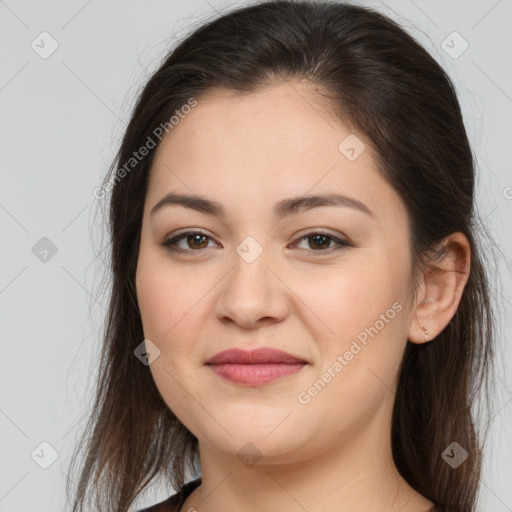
[426, 333]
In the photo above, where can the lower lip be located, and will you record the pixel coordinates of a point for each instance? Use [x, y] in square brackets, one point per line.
[255, 374]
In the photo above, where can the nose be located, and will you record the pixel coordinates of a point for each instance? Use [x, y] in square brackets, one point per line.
[252, 294]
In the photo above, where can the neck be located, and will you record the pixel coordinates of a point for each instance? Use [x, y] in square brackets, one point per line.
[357, 475]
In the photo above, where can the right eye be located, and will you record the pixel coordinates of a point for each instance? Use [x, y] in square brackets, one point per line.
[190, 237]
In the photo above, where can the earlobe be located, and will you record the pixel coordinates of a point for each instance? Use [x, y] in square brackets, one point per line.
[441, 289]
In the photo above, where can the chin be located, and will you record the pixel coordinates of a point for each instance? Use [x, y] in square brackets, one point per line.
[252, 445]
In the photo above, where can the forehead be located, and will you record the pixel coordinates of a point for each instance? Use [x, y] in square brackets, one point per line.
[278, 142]
[280, 123]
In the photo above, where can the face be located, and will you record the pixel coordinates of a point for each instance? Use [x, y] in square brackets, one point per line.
[329, 285]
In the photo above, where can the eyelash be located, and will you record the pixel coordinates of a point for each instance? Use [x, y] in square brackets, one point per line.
[170, 242]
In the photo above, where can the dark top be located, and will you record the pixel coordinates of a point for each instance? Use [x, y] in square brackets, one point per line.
[174, 503]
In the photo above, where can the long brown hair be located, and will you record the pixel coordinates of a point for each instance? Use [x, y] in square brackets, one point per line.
[379, 80]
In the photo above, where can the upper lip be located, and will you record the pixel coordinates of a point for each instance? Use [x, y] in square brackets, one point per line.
[257, 356]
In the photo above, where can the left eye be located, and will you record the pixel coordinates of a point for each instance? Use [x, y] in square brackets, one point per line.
[320, 242]
[322, 239]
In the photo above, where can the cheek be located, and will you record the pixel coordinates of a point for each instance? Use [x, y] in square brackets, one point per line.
[169, 319]
[166, 296]
[356, 297]
[364, 310]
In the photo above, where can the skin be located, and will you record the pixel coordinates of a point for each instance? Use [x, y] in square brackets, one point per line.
[247, 153]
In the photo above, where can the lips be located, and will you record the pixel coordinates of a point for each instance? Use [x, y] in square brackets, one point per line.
[257, 356]
[254, 367]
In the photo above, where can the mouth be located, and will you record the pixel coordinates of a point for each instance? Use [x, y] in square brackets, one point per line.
[255, 367]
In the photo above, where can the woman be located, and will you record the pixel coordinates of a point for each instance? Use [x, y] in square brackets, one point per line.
[300, 309]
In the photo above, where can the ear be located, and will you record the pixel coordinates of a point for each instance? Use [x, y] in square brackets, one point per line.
[440, 289]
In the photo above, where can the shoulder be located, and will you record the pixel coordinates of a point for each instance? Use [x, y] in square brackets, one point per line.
[173, 503]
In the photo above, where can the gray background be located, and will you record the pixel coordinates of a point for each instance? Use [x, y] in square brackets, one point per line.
[62, 118]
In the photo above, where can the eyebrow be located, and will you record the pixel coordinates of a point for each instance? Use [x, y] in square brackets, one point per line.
[283, 208]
